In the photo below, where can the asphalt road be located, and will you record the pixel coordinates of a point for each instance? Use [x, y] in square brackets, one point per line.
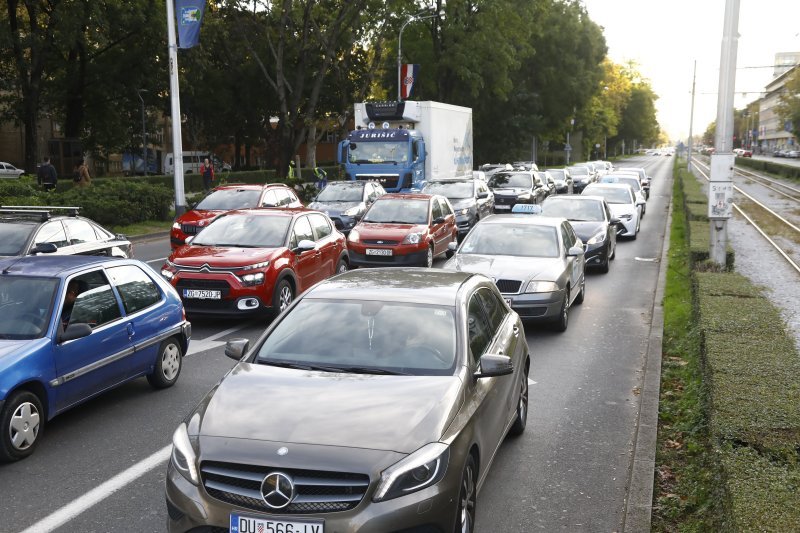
[569, 471]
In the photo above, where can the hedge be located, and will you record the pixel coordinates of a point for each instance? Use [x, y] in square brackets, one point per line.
[786, 171]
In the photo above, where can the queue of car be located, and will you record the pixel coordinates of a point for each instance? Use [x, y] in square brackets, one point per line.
[401, 342]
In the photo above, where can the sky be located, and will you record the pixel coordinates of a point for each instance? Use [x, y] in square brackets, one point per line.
[666, 37]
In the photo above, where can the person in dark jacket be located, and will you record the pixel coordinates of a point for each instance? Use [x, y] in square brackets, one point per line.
[207, 171]
[46, 175]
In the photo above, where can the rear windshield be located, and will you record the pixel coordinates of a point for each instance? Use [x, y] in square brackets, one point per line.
[227, 199]
[573, 209]
[612, 196]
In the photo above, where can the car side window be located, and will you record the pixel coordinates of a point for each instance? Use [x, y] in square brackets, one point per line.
[270, 200]
[301, 232]
[90, 299]
[445, 207]
[321, 226]
[572, 236]
[479, 330]
[283, 197]
[565, 238]
[436, 209]
[292, 197]
[537, 182]
[53, 233]
[495, 308]
[135, 287]
[80, 231]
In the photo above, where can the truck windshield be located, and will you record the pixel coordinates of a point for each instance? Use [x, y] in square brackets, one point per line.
[379, 152]
[508, 179]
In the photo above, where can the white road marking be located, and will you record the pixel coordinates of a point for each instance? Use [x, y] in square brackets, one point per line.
[161, 260]
[99, 493]
[209, 343]
[531, 382]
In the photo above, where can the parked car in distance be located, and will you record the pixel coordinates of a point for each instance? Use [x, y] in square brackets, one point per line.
[7, 170]
[386, 418]
[746, 153]
[536, 261]
[74, 327]
[29, 230]
[633, 181]
[403, 229]
[622, 201]
[471, 200]
[592, 221]
[255, 261]
[581, 177]
[226, 198]
[516, 187]
[563, 180]
[345, 202]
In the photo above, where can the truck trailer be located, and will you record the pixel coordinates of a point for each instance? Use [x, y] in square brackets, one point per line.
[401, 145]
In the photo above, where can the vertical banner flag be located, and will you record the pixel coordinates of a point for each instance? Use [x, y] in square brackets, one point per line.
[408, 76]
[190, 15]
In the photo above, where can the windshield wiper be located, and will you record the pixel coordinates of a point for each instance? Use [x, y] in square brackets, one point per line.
[234, 245]
[303, 366]
[374, 370]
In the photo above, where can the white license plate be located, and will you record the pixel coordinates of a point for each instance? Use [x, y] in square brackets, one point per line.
[379, 251]
[252, 524]
[502, 206]
[202, 294]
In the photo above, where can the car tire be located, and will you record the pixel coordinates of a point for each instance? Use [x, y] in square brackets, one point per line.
[168, 364]
[283, 296]
[428, 262]
[521, 420]
[341, 267]
[562, 322]
[581, 295]
[22, 423]
[467, 498]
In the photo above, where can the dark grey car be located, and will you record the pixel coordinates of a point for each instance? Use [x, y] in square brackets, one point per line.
[471, 200]
[386, 418]
[345, 202]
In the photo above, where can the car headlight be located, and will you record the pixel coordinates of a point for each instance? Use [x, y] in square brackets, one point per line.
[541, 286]
[421, 469]
[626, 216]
[176, 226]
[353, 236]
[599, 237]
[412, 238]
[184, 457]
[352, 212]
[167, 274]
[249, 280]
[465, 211]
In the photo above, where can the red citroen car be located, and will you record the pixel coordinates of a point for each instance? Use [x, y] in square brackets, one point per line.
[227, 197]
[251, 261]
[403, 229]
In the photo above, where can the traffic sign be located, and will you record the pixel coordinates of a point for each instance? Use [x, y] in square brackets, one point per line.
[567, 147]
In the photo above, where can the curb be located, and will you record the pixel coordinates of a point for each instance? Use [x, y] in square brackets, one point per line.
[639, 504]
[148, 236]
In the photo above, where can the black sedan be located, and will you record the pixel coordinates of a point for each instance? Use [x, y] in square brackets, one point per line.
[516, 187]
[591, 219]
[471, 200]
[27, 230]
[345, 202]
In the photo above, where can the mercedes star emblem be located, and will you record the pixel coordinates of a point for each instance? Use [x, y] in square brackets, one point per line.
[277, 489]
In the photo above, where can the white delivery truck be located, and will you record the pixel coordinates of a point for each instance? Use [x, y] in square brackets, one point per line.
[402, 145]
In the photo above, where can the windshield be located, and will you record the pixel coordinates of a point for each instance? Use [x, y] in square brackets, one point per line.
[454, 191]
[612, 196]
[557, 174]
[379, 152]
[14, 236]
[579, 171]
[573, 209]
[398, 211]
[25, 305]
[227, 199]
[364, 337]
[342, 192]
[250, 231]
[509, 179]
[523, 240]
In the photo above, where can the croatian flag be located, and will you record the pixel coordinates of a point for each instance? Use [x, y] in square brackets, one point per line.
[190, 16]
[408, 76]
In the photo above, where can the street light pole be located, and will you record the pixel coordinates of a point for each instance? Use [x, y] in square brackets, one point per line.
[144, 133]
[413, 18]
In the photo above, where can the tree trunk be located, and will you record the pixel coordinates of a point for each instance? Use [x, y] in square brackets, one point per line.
[311, 146]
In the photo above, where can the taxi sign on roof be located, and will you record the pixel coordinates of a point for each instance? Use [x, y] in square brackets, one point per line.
[528, 209]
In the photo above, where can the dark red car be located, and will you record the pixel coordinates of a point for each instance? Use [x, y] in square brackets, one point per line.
[403, 229]
[251, 261]
[227, 197]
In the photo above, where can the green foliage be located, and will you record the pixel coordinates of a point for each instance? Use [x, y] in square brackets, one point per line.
[789, 107]
[770, 167]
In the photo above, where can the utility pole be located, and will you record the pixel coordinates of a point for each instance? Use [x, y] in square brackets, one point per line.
[175, 105]
[720, 192]
[691, 119]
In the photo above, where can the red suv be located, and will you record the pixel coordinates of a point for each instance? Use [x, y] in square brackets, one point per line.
[225, 198]
[254, 260]
[403, 229]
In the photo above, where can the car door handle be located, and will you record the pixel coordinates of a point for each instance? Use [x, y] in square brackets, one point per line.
[131, 331]
[515, 329]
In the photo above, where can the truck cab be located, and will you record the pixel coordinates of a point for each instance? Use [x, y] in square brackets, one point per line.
[393, 157]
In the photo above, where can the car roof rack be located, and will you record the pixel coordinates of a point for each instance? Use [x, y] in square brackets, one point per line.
[42, 211]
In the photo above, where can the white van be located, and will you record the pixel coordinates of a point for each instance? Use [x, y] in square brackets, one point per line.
[191, 162]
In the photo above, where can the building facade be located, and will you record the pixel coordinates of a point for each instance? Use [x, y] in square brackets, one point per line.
[773, 132]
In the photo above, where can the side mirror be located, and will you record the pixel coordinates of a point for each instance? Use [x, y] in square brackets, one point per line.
[304, 246]
[453, 246]
[236, 348]
[483, 194]
[614, 222]
[575, 251]
[494, 365]
[439, 220]
[44, 248]
[75, 331]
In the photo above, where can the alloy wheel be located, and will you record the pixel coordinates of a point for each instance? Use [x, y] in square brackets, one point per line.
[24, 426]
[286, 296]
[467, 498]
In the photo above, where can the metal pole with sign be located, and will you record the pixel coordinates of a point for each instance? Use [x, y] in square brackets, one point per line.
[175, 105]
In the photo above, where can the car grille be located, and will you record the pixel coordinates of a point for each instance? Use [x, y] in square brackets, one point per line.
[388, 182]
[317, 491]
[509, 200]
[380, 241]
[190, 229]
[508, 286]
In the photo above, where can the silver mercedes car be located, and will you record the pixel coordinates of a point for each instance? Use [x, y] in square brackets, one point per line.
[375, 403]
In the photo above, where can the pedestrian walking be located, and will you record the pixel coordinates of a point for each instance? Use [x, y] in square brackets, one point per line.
[322, 178]
[207, 171]
[80, 175]
[46, 175]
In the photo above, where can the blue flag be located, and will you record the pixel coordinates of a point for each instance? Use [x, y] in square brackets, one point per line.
[190, 16]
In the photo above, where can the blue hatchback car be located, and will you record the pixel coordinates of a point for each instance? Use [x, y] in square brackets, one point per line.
[72, 327]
